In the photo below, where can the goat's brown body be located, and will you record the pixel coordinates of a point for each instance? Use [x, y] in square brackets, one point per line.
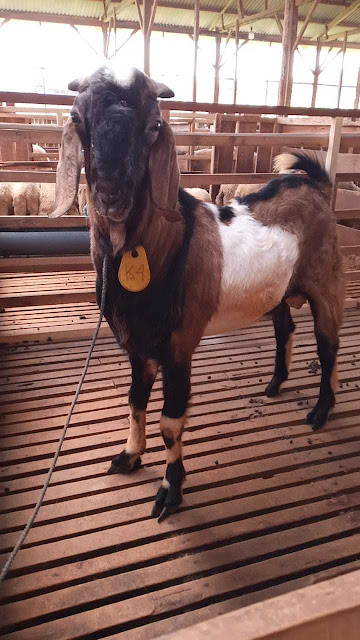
[201, 265]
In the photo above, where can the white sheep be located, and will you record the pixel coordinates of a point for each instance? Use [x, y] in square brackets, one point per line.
[6, 199]
[199, 194]
[25, 198]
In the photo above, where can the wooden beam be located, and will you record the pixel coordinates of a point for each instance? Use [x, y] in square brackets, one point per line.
[327, 610]
[152, 17]
[240, 9]
[134, 31]
[140, 15]
[279, 23]
[146, 23]
[226, 44]
[342, 15]
[346, 32]
[268, 13]
[196, 44]
[236, 58]
[305, 24]
[55, 132]
[43, 265]
[82, 38]
[333, 151]
[220, 13]
[341, 71]
[16, 223]
[289, 83]
[217, 68]
[290, 18]
[317, 72]
[163, 28]
[357, 95]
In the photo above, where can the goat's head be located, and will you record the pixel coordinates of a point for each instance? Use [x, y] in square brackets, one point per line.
[128, 148]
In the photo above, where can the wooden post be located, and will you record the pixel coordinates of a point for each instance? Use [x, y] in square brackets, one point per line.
[236, 58]
[288, 41]
[357, 95]
[342, 69]
[217, 68]
[196, 43]
[316, 72]
[105, 32]
[146, 35]
[333, 153]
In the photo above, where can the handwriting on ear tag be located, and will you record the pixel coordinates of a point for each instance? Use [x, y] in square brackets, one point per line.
[134, 272]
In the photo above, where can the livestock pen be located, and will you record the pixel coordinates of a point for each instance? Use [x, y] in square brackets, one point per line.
[270, 507]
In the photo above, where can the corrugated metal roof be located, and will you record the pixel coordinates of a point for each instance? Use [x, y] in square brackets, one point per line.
[180, 14]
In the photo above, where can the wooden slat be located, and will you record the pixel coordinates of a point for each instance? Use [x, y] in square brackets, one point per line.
[61, 99]
[53, 133]
[42, 222]
[320, 611]
[46, 264]
[269, 506]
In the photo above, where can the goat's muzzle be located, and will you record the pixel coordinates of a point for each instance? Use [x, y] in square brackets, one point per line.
[111, 203]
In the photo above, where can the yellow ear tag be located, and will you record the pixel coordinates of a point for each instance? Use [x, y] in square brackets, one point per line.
[134, 271]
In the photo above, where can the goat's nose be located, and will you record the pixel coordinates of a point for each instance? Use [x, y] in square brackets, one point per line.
[107, 191]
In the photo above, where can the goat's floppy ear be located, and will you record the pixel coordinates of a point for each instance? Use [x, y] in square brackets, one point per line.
[163, 91]
[74, 85]
[68, 170]
[164, 170]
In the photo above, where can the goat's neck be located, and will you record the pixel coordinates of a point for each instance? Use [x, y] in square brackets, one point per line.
[160, 236]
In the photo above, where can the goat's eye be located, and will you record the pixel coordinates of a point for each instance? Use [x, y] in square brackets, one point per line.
[75, 118]
[155, 127]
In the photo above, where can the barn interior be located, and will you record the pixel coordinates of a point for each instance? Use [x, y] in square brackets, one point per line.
[266, 544]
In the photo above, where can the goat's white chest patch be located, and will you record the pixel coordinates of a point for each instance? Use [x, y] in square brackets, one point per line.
[258, 262]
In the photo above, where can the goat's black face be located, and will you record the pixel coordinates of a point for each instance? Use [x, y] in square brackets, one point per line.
[117, 122]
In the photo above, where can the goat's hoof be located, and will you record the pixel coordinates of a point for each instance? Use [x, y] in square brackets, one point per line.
[273, 388]
[317, 418]
[165, 504]
[125, 463]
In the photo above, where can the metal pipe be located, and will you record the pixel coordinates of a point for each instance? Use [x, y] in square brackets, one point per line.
[44, 243]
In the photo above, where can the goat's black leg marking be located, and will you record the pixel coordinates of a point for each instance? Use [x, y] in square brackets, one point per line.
[327, 352]
[143, 376]
[176, 397]
[284, 330]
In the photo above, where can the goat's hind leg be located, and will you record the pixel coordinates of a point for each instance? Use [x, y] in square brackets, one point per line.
[143, 376]
[326, 322]
[284, 330]
[176, 377]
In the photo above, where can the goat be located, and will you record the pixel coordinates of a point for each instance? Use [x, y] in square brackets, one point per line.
[207, 268]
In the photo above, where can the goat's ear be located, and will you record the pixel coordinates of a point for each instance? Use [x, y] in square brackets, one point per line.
[74, 85]
[163, 91]
[164, 170]
[68, 170]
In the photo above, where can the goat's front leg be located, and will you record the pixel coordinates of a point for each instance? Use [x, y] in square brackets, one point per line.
[176, 380]
[143, 377]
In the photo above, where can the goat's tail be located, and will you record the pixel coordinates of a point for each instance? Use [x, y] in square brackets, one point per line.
[308, 162]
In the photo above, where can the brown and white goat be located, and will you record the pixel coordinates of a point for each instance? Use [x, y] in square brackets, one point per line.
[212, 269]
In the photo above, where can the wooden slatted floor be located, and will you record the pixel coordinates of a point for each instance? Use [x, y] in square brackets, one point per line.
[66, 287]
[269, 506]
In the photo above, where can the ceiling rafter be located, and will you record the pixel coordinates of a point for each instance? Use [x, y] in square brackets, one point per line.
[133, 23]
[340, 17]
[305, 24]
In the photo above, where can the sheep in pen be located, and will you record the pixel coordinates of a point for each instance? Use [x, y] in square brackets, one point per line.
[180, 268]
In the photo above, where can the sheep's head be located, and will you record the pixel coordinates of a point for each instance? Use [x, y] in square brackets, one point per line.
[128, 148]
